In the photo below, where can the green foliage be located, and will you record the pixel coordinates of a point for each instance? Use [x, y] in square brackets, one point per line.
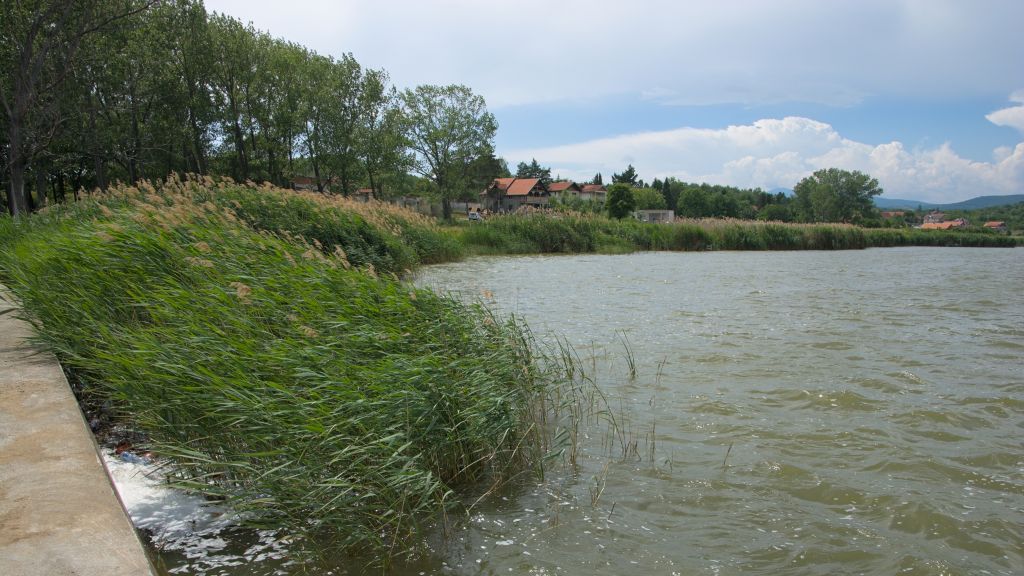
[776, 213]
[628, 177]
[306, 393]
[620, 202]
[834, 195]
[533, 170]
[448, 128]
[649, 199]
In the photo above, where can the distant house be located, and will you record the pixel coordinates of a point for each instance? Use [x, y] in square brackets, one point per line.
[997, 225]
[659, 216]
[509, 194]
[934, 217]
[303, 183]
[948, 225]
[893, 214]
[596, 192]
[363, 195]
[309, 183]
[566, 188]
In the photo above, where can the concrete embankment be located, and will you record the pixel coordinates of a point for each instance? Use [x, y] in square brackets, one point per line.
[59, 512]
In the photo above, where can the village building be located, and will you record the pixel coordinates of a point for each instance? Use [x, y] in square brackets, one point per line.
[945, 225]
[564, 189]
[934, 217]
[655, 216]
[510, 194]
[996, 225]
[363, 195]
[595, 192]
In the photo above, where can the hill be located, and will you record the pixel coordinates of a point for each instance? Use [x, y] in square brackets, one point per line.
[972, 204]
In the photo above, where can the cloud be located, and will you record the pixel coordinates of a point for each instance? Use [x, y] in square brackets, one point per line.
[1012, 116]
[677, 52]
[772, 153]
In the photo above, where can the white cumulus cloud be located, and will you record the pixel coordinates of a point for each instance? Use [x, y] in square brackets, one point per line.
[772, 153]
[1012, 116]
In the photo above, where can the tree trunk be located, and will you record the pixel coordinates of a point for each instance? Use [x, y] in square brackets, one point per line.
[40, 173]
[16, 201]
[98, 165]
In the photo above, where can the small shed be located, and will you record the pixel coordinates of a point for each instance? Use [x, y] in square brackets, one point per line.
[655, 216]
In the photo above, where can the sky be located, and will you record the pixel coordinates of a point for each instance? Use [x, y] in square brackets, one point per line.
[927, 96]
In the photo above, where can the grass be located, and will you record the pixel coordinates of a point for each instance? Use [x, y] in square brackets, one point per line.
[283, 374]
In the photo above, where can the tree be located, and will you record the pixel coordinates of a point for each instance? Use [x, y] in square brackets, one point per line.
[39, 44]
[835, 195]
[620, 202]
[533, 170]
[448, 128]
[627, 177]
[649, 199]
[597, 180]
[381, 143]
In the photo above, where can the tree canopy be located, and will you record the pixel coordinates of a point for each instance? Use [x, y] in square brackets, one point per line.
[533, 170]
[620, 202]
[627, 177]
[649, 199]
[448, 129]
[835, 195]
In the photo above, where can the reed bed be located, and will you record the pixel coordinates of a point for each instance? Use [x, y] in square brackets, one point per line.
[580, 233]
[278, 374]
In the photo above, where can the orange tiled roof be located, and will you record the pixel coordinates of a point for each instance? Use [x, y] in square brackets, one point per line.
[521, 186]
[594, 188]
[502, 183]
[938, 225]
[995, 224]
[561, 186]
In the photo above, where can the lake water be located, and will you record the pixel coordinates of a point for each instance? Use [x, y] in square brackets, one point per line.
[791, 413]
[856, 412]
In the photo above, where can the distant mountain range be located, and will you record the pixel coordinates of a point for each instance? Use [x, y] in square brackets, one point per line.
[972, 204]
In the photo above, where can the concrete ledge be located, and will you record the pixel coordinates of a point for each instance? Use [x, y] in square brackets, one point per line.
[59, 513]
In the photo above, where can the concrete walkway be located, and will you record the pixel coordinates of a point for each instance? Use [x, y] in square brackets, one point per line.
[59, 512]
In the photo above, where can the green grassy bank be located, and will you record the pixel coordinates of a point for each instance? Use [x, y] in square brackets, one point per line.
[289, 375]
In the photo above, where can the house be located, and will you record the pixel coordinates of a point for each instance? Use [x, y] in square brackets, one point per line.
[303, 183]
[509, 194]
[997, 225]
[309, 183]
[566, 188]
[596, 192]
[934, 217]
[658, 216]
[363, 195]
[893, 214]
[947, 225]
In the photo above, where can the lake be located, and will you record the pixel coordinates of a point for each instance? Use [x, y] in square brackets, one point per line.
[776, 413]
[856, 412]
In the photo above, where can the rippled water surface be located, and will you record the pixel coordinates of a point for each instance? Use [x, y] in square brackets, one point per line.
[855, 412]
